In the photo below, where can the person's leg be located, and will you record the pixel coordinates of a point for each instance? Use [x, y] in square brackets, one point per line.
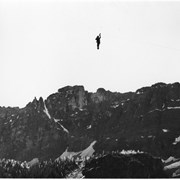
[97, 45]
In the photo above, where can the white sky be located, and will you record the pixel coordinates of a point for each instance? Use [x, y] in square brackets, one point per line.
[46, 45]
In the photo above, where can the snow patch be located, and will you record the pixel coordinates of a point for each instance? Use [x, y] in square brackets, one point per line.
[72, 115]
[56, 120]
[130, 152]
[177, 140]
[68, 154]
[139, 92]
[64, 129]
[163, 109]
[88, 152]
[33, 162]
[177, 107]
[10, 120]
[115, 106]
[176, 174]
[175, 100]
[165, 130]
[46, 111]
[155, 110]
[89, 127]
[170, 159]
[172, 166]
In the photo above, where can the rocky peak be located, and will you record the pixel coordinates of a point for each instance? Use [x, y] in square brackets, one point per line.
[76, 96]
[143, 90]
[159, 85]
[79, 98]
[99, 96]
[36, 104]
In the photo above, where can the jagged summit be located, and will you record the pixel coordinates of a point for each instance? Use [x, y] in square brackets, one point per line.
[147, 120]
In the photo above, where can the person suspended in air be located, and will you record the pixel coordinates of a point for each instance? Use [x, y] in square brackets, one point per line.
[98, 40]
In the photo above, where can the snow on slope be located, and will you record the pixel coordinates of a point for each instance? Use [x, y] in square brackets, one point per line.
[177, 140]
[163, 109]
[173, 107]
[33, 162]
[68, 154]
[165, 130]
[170, 159]
[56, 120]
[130, 152]
[64, 129]
[88, 152]
[115, 106]
[155, 110]
[46, 111]
[172, 166]
[89, 127]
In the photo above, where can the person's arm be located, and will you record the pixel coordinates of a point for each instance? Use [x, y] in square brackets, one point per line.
[100, 35]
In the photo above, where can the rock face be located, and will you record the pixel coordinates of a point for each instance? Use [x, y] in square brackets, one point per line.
[124, 166]
[146, 120]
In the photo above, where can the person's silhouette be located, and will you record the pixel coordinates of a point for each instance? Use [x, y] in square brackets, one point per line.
[98, 40]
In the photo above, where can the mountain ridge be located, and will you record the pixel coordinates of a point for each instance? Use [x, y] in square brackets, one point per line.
[146, 120]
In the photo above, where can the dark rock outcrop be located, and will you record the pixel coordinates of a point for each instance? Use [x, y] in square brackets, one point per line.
[124, 166]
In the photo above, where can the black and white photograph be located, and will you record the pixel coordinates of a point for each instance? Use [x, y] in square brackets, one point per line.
[89, 89]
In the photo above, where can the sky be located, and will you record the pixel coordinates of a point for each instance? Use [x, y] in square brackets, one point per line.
[46, 45]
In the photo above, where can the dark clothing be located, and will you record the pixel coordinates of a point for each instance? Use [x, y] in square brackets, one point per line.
[98, 40]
